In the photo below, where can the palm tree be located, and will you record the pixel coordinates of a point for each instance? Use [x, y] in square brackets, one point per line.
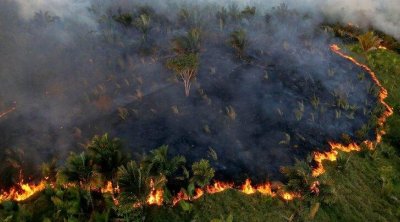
[369, 41]
[185, 66]
[299, 177]
[190, 43]
[239, 42]
[142, 23]
[106, 155]
[79, 170]
[159, 162]
[202, 173]
[136, 183]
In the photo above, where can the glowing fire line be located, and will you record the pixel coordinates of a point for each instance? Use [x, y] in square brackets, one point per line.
[24, 191]
[335, 147]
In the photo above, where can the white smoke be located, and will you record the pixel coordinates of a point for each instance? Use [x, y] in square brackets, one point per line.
[380, 14]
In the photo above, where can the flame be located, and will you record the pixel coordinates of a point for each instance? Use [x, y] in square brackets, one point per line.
[289, 196]
[25, 190]
[155, 197]
[22, 191]
[265, 189]
[198, 193]
[332, 155]
[109, 188]
[218, 186]
[247, 188]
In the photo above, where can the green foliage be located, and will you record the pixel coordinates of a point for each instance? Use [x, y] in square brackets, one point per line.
[159, 162]
[229, 218]
[202, 173]
[299, 177]
[185, 62]
[136, 182]
[189, 43]
[238, 41]
[185, 66]
[49, 169]
[79, 169]
[106, 155]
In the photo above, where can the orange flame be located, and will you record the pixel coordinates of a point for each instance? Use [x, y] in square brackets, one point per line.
[109, 188]
[332, 155]
[23, 191]
[156, 197]
[247, 188]
[218, 187]
[265, 189]
[290, 196]
[198, 193]
[180, 196]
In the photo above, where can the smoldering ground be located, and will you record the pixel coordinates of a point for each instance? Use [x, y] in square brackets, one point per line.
[75, 75]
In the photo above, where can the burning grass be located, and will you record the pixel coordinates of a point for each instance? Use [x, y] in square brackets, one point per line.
[250, 114]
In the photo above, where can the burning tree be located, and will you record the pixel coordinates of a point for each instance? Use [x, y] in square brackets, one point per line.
[186, 67]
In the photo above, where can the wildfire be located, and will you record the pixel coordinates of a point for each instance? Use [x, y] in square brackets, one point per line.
[218, 187]
[289, 196]
[332, 155]
[155, 197]
[247, 188]
[22, 191]
[109, 188]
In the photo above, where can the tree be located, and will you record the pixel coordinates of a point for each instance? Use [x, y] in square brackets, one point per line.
[106, 155]
[186, 67]
[142, 23]
[187, 44]
[369, 41]
[202, 173]
[239, 42]
[136, 183]
[79, 169]
[159, 162]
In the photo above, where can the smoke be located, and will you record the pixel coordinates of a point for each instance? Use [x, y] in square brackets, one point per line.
[380, 14]
[73, 71]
